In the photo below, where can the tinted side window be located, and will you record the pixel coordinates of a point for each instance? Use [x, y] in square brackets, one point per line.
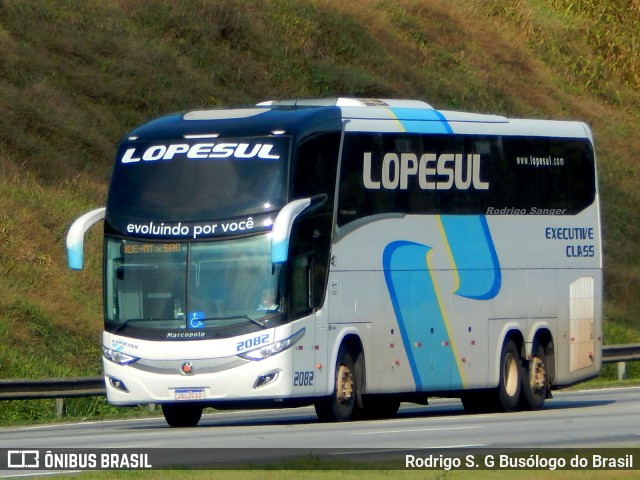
[314, 167]
[314, 173]
[463, 174]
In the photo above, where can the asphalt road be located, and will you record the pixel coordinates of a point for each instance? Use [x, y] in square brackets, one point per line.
[594, 418]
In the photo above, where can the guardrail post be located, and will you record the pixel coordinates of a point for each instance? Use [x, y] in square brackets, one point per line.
[59, 407]
[622, 370]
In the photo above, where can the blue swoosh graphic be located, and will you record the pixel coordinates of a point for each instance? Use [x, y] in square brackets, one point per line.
[417, 305]
[474, 256]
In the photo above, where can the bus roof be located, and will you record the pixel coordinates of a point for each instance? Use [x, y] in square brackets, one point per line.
[360, 114]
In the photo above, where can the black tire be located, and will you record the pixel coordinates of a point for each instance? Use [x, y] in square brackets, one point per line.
[535, 380]
[182, 415]
[341, 405]
[506, 397]
[510, 386]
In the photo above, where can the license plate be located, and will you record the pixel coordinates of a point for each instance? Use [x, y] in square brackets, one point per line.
[190, 394]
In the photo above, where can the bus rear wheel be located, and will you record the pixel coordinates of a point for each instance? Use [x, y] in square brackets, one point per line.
[181, 415]
[535, 380]
[510, 386]
[340, 406]
[506, 397]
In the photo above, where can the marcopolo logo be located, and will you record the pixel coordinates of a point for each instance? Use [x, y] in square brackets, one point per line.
[200, 151]
[432, 172]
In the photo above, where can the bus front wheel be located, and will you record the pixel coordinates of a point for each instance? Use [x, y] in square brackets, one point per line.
[181, 415]
[341, 405]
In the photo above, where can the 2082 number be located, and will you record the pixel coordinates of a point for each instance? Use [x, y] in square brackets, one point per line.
[302, 379]
[252, 342]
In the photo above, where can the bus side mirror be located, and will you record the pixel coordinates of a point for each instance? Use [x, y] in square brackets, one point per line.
[281, 232]
[75, 237]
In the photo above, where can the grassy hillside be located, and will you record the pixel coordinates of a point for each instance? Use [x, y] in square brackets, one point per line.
[76, 75]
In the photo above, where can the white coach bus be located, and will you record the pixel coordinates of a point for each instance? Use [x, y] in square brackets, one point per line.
[351, 254]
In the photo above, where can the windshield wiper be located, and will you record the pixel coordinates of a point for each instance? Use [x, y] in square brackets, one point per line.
[127, 322]
[260, 323]
[234, 317]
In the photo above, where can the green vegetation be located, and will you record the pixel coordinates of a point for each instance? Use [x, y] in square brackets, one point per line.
[317, 469]
[76, 75]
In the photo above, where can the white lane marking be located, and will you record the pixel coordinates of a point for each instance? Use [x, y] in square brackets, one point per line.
[382, 432]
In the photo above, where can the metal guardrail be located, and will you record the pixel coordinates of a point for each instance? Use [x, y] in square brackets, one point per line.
[20, 389]
[94, 386]
[621, 353]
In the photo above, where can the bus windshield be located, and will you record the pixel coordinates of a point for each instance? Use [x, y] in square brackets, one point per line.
[200, 286]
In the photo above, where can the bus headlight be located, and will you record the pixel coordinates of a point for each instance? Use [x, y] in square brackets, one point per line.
[273, 348]
[118, 357]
